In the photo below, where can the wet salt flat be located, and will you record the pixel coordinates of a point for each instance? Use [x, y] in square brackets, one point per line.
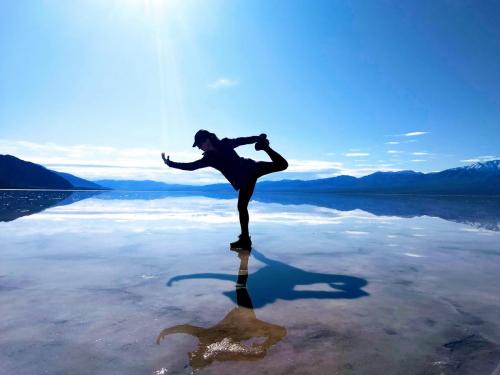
[144, 283]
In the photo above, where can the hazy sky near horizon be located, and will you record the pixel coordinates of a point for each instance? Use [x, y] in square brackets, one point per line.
[99, 88]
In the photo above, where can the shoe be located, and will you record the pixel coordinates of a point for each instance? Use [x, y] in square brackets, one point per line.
[262, 144]
[243, 243]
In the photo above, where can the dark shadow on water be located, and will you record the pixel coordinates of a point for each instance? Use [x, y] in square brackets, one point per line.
[15, 204]
[239, 336]
[278, 280]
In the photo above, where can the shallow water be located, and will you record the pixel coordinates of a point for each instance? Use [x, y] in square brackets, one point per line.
[144, 283]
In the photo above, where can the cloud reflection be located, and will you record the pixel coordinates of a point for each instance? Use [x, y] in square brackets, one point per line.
[199, 210]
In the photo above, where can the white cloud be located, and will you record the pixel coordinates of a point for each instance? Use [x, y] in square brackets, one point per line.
[392, 143]
[478, 159]
[394, 152]
[140, 163]
[312, 165]
[356, 154]
[420, 153]
[313, 169]
[413, 255]
[470, 161]
[414, 134]
[418, 160]
[222, 82]
[359, 172]
[307, 170]
[375, 166]
[104, 162]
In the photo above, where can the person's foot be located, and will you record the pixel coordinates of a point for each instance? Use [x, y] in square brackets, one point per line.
[262, 144]
[243, 243]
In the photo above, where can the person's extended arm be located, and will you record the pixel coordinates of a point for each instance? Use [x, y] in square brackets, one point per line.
[240, 141]
[202, 163]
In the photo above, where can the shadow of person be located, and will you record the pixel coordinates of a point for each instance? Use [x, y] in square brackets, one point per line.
[278, 280]
[240, 336]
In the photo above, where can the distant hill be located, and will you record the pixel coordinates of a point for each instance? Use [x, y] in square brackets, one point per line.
[479, 178]
[20, 174]
[80, 183]
[143, 185]
[476, 179]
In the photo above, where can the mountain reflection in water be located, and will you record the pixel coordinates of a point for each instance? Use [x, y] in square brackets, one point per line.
[480, 212]
[18, 203]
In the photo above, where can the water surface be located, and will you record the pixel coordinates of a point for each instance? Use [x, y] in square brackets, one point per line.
[144, 283]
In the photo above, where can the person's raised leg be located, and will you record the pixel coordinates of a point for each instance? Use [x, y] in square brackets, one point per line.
[278, 163]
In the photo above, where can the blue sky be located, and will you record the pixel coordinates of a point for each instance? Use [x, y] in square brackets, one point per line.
[99, 88]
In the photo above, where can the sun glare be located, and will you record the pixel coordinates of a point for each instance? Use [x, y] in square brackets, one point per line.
[166, 22]
[152, 6]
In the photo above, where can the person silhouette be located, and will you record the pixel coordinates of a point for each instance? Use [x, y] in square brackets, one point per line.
[240, 336]
[241, 172]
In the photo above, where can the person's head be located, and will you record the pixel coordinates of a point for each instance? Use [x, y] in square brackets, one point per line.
[205, 140]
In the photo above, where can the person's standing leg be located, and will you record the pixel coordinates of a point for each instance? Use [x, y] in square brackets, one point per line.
[244, 197]
[261, 168]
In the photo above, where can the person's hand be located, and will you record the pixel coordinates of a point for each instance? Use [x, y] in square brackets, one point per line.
[263, 136]
[167, 160]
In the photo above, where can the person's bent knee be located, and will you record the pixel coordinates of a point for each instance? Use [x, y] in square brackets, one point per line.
[283, 165]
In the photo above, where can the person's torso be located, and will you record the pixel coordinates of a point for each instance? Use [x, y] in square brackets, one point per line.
[236, 169]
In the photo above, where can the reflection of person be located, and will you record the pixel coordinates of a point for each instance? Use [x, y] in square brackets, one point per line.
[240, 336]
[242, 173]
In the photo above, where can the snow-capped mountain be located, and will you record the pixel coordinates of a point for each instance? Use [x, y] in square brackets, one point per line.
[487, 165]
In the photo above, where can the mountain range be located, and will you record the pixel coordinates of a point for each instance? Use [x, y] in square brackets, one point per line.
[20, 174]
[476, 179]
